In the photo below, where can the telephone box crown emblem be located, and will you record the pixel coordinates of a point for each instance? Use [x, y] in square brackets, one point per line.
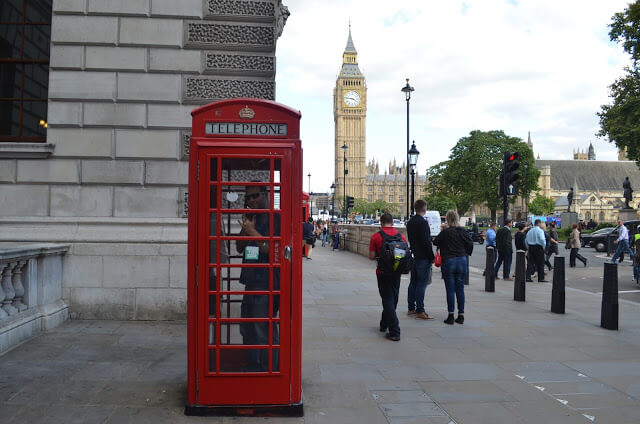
[246, 113]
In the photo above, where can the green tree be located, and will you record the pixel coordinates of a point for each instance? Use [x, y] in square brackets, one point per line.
[370, 208]
[620, 121]
[472, 173]
[542, 206]
[440, 203]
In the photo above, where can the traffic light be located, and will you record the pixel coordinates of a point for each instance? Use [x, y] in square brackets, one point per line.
[510, 166]
[349, 202]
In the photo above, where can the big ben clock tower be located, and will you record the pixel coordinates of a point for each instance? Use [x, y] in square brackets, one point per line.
[349, 112]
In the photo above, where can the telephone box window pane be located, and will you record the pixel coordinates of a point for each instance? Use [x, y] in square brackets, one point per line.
[213, 224]
[213, 197]
[212, 361]
[212, 279]
[244, 306]
[276, 170]
[247, 252]
[212, 333]
[230, 279]
[213, 258]
[276, 333]
[246, 169]
[276, 360]
[276, 197]
[212, 308]
[276, 280]
[276, 306]
[213, 169]
[245, 360]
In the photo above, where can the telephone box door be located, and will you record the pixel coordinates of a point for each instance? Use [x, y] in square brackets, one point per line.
[244, 287]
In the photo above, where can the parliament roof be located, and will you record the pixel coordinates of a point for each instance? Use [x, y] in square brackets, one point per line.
[592, 175]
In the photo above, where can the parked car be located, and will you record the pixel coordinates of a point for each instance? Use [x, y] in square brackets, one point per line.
[367, 222]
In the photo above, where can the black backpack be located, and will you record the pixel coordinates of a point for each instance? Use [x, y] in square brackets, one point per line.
[395, 256]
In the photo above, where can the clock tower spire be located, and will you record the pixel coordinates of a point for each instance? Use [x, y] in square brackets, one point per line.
[349, 112]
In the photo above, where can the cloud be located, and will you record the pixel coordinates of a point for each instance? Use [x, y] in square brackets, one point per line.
[540, 66]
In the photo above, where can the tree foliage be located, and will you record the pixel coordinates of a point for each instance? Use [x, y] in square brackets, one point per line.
[620, 120]
[440, 202]
[471, 175]
[542, 205]
[370, 208]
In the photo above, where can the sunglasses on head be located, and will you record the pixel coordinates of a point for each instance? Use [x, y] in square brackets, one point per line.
[253, 196]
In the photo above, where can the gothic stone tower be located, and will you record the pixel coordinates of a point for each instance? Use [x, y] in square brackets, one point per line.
[350, 111]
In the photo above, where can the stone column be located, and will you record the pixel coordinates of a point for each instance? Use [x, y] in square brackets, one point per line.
[3, 314]
[9, 292]
[18, 287]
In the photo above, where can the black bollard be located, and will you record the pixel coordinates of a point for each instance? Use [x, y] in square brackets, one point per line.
[489, 276]
[519, 284]
[557, 291]
[611, 246]
[609, 312]
[466, 278]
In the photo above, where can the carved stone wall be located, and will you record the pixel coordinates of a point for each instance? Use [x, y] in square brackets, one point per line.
[240, 62]
[213, 89]
[207, 33]
[241, 8]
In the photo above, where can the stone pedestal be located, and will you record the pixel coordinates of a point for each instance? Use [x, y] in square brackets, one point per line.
[627, 214]
[568, 218]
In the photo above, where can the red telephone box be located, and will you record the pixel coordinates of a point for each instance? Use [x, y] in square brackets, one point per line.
[245, 262]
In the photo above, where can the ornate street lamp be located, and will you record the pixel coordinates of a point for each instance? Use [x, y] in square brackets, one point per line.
[333, 196]
[344, 182]
[413, 160]
[407, 89]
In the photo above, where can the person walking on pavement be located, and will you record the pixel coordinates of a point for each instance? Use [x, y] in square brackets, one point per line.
[308, 236]
[490, 239]
[388, 284]
[553, 244]
[455, 246]
[636, 257]
[419, 236]
[536, 243]
[574, 244]
[335, 232]
[622, 242]
[505, 250]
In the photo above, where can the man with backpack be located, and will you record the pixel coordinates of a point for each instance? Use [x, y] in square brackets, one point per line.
[391, 250]
[420, 239]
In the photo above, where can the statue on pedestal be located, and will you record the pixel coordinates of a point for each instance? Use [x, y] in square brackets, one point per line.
[628, 192]
[570, 199]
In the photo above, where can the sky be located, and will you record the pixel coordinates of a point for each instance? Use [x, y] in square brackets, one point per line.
[542, 66]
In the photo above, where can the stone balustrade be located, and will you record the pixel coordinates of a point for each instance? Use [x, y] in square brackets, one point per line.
[30, 291]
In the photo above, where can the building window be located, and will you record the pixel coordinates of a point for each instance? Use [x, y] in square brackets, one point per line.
[380, 189]
[369, 188]
[401, 199]
[25, 35]
[601, 216]
[369, 198]
[391, 198]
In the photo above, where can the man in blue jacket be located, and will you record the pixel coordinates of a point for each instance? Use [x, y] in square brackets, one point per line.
[420, 241]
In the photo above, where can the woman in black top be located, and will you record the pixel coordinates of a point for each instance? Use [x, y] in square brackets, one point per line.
[455, 246]
[520, 236]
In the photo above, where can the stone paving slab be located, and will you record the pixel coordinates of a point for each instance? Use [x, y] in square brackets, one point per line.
[511, 362]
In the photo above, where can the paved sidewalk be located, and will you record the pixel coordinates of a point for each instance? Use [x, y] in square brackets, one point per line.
[509, 363]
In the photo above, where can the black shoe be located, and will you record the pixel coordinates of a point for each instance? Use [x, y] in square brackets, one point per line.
[460, 319]
[585, 263]
[392, 338]
[383, 329]
[449, 320]
[544, 281]
[529, 280]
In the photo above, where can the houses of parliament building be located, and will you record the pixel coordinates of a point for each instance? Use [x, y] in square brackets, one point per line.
[363, 179]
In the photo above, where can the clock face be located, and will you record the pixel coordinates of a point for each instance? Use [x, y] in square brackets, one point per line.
[352, 98]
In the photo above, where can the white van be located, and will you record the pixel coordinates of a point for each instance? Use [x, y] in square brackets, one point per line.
[433, 219]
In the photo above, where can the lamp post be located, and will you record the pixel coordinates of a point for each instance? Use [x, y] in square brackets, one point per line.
[413, 160]
[333, 196]
[310, 199]
[591, 200]
[344, 181]
[407, 89]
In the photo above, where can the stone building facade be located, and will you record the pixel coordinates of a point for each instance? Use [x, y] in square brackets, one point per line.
[363, 180]
[109, 176]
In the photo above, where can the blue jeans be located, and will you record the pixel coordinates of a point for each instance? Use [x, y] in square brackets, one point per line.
[336, 239]
[420, 274]
[454, 272]
[623, 246]
[323, 237]
[505, 257]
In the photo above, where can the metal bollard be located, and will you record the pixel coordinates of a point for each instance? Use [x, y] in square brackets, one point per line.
[489, 276]
[466, 279]
[557, 291]
[519, 284]
[609, 312]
